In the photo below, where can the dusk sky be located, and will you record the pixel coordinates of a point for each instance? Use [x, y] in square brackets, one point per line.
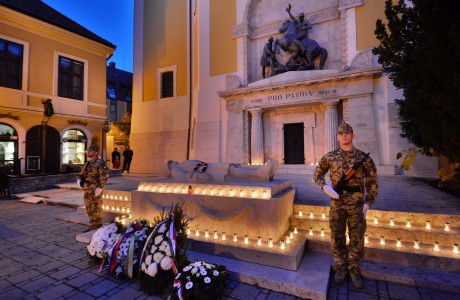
[109, 19]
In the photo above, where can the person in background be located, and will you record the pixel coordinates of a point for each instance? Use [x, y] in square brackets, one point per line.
[92, 180]
[127, 158]
[349, 208]
[115, 158]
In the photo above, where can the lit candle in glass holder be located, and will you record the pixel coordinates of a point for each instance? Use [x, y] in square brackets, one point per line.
[224, 237]
[113, 207]
[270, 243]
[382, 240]
[183, 190]
[123, 219]
[446, 227]
[259, 241]
[295, 230]
[197, 232]
[366, 239]
[197, 190]
[428, 225]
[118, 208]
[160, 189]
[264, 195]
[322, 233]
[348, 238]
[203, 191]
[376, 220]
[215, 235]
[235, 238]
[188, 231]
[310, 232]
[107, 207]
[111, 196]
[408, 223]
[392, 221]
[103, 196]
[126, 198]
[436, 247]
[212, 192]
[288, 239]
[323, 215]
[175, 190]
[116, 197]
[398, 243]
[291, 235]
[300, 213]
[206, 233]
[128, 210]
[246, 240]
[282, 246]
[455, 249]
[123, 209]
[241, 193]
[232, 193]
[117, 219]
[312, 215]
[221, 192]
[168, 189]
[253, 194]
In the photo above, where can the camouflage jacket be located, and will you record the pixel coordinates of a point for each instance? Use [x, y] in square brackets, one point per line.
[338, 162]
[95, 174]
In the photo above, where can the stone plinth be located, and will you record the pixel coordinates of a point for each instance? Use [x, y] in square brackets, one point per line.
[256, 209]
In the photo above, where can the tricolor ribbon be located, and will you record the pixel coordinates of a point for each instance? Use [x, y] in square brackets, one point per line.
[113, 258]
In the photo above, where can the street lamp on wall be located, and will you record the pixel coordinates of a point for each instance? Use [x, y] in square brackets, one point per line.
[105, 129]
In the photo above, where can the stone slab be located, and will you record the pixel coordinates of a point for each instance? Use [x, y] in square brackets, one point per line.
[310, 281]
[293, 76]
[289, 258]
[33, 200]
[267, 218]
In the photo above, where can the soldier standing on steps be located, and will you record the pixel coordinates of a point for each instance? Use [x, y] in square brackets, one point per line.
[93, 179]
[351, 206]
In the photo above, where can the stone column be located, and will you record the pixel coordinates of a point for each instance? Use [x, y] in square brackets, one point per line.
[257, 137]
[331, 122]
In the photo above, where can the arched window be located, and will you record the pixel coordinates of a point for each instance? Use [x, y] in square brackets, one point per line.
[73, 147]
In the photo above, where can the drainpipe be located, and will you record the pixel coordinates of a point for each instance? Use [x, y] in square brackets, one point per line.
[189, 134]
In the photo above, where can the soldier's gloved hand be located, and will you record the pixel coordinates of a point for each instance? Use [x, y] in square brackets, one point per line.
[79, 182]
[365, 209]
[97, 192]
[330, 191]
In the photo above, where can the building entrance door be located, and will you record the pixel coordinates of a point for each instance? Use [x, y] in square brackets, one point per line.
[293, 144]
[40, 149]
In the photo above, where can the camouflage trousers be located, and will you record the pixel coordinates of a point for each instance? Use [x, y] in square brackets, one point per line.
[342, 215]
[93, 206]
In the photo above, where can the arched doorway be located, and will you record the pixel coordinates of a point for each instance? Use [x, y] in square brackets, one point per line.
[73, 150]
[42, 154]
[9, 163]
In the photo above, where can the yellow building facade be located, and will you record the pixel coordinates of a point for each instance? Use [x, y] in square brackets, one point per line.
[48, 58]
[199, 93]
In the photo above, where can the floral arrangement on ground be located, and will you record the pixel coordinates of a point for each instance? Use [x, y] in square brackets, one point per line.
[201, 281]
[164, 252]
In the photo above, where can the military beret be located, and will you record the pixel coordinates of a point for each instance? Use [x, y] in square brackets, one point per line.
[94, 147]
[344, 127]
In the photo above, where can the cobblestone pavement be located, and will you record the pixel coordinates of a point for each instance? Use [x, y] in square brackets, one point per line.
[40, 259]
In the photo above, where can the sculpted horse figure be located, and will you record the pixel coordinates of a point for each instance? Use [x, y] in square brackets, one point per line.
[312, 48]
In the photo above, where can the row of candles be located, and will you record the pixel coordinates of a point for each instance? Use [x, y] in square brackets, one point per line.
[283, 243]
[212, 191]
[115, 197]
[408, 223]
[116, 208]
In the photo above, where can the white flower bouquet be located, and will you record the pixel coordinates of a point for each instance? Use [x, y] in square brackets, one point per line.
[102, 241]
[201, 280]
[125, 253]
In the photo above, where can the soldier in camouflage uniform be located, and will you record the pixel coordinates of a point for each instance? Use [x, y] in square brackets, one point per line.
[92, 179]
[350, 207]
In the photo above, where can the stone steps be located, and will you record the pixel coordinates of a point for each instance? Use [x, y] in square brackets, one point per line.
[395, 242]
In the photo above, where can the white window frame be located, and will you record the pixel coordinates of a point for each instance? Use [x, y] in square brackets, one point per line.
[161, 71]
[25, 62]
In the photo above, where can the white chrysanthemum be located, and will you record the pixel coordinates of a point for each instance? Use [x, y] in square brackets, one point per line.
[144, 267]
[157, 257]
[207, 279]
[123, 246]
[91, 250]
[152, 270]
[189, 285]
[166, 263]
[194, 270]
[209, 266]
[215, 273]
[203, 272]
[163, 246]
[153, 249]
[112, 228]
[187, 268]
[119, 255]
[148, 259]
[168, 251]
[162, 228]
[158, 239]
